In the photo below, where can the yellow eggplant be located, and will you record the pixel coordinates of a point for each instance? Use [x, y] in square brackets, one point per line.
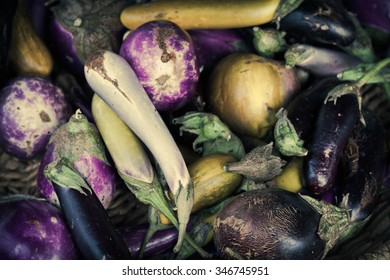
[246, 90]
[28, 53]
[291, 178]
[207, 14]
[212, 183]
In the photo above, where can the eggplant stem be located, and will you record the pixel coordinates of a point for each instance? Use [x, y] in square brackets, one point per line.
[152, 194]
[285, 7]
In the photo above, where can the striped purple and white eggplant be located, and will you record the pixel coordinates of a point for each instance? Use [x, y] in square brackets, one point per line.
[33, 229]
[366, 167]
[113, 80]
[31, 109]
[80, 141]
[163, 56]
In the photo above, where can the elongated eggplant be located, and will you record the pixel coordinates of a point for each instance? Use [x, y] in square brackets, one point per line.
[366, 167]
[303, 109]
[320, 21]
[91, 228]
[333, 127]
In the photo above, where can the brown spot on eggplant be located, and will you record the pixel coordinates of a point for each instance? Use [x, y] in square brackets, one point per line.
[44, 116]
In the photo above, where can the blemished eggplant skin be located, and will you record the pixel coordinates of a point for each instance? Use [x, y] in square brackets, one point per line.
[303, 109]
[31, 109]
[320, 21]
[268, 224]
[333, 127]
[366, 169]
[33, 229]
[163, 56]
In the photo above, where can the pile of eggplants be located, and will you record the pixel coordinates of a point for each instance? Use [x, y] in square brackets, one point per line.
[163, 68]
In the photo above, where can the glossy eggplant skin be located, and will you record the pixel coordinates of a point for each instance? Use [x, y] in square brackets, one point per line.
[94, 234]
[366, 167]
[333, 127]
[7, 13]
[324, 21]
[303, 109]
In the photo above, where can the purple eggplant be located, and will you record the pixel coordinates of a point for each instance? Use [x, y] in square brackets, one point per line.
[161, 241]
[80, 141]
[303, 109]
[366, 165]
[163, 57]
[77, 29]
[31, 109]
[211, 45]
[373, 13]
[33, 229]
[323, 21]
[333, 127]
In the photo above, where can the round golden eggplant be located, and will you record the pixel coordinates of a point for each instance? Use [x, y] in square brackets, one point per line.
[246, 90]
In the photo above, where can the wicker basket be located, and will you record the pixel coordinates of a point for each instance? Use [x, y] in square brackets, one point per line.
[20, 177]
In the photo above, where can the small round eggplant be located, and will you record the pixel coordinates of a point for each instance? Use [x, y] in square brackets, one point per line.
[33, 229]
[163, 56]
[31, 109]
[268, 224]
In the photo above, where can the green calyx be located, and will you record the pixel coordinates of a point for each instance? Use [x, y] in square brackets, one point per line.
[285, 7]
[287, 140]
[268, 41]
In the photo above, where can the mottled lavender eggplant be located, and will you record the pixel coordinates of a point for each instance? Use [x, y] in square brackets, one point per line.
[33, 229]
[31, 109]
[77, 29]
[163, 57]
[79, 140]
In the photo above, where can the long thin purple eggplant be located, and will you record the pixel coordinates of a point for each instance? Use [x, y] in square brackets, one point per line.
[334, 125]
[366, 167]
[93, 233]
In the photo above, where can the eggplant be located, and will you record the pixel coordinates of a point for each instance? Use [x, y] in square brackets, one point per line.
[320, 21]
[91, 228]
[79, 141]
[268, 224]
[373, 14]
[77, 29]
[319, 61]
[163, 57]
[303, 109]
[366, 167]
[161, 241]
[34, 229]
[333, 127]
[7, 14]
[31, 109]
[211, 45]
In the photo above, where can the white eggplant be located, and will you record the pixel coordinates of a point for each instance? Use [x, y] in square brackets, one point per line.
[114, 81]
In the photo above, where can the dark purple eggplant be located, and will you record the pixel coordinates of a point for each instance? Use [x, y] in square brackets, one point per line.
[324, 21]
[366, 165]
[7, 13]
[270, 224]
[211, 45]
[77, 29]
[33, 229]
[303, 109]
[373, 13]
[333, 127]
[161, 241]
[92, 230]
